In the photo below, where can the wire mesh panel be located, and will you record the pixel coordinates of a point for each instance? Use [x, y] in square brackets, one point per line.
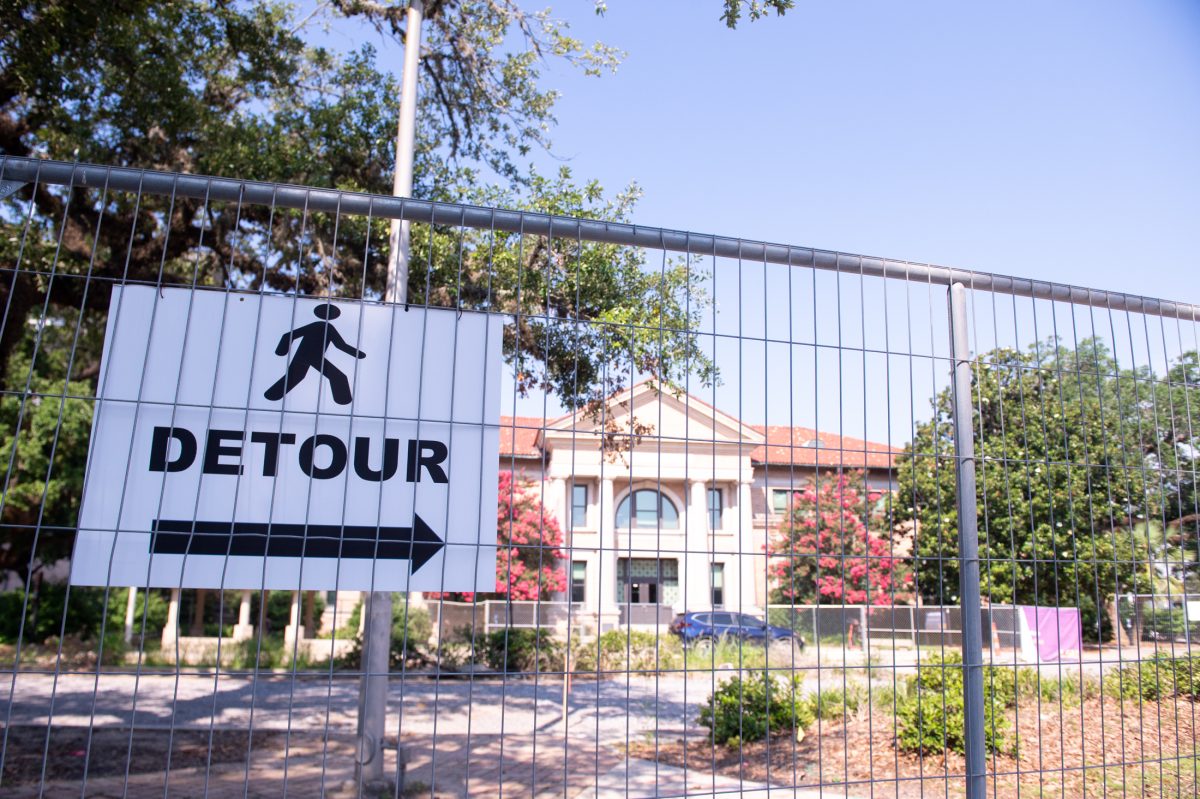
[735, 508]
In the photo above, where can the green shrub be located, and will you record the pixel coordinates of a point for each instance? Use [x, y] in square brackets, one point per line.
[85, 610]
[348, 627]
[1185, 674]
[742, 654]
[149, 607]
[930, 717]
[43, 609]
[834, 704]
[1147, 681]
[519, 649]
[627, 650]
[1165, 623]
[454, 655]
[751, 708]
[114, 649]
[279, 608]
[1000, 685]
[411, 630]
[1154, 679]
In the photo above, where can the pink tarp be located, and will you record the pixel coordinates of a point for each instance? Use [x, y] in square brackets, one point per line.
[1055, 631]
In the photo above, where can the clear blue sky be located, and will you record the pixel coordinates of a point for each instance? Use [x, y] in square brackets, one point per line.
[1052, 139]
[1057, 140]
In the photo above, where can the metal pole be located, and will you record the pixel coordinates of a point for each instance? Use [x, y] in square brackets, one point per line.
[968, 548]
[15, 168]
[377, 643]
[402, 178]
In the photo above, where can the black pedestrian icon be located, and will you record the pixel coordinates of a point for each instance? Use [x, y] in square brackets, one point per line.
[314, 338]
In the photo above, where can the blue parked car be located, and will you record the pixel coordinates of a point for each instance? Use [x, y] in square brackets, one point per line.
[702, 629]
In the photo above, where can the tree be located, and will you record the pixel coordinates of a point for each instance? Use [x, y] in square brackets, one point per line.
[236, 90]
[1068, 462]
[528, 537]
[240, 89]
[45, 473]
[1174, 540]
[826, 552]
[756, 8]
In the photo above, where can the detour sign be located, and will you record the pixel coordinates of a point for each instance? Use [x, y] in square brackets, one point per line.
[260, 441]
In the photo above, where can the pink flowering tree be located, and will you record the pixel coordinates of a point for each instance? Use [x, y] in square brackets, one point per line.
[528, 541]
[828, 548]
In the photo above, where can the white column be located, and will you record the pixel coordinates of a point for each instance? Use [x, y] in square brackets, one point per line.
[748, 564]
[171, 628]
[697, 562]
[558, 503]
[609, 610]
[294, 630]
[130, 611]
[243, 630]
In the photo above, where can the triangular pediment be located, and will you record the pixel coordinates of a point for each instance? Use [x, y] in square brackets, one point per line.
[662, 412]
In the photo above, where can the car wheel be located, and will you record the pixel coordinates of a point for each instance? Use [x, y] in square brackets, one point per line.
[703, 646]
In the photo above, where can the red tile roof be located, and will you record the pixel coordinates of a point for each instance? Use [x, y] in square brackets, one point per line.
[518, 436]
[793, 446]
[785, 445]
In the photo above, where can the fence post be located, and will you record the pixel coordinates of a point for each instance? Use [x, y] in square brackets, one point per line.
[968, 547]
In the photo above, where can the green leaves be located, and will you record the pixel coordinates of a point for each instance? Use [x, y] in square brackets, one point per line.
[1074, 455]
[756, 9]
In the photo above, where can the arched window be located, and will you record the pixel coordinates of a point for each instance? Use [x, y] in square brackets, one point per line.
[650, 511]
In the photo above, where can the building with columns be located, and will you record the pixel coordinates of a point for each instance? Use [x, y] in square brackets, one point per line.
[666, 502]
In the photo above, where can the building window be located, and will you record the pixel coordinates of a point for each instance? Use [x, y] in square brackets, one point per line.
[578, 581]
[579, 503]
[779, 499]
[718, 585]
[647, 581]
[647, 510]
[714, 509]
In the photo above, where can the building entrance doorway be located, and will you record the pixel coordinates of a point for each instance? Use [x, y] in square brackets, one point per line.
[641, 593]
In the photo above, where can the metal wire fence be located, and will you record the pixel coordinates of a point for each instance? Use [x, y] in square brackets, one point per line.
[766, 518]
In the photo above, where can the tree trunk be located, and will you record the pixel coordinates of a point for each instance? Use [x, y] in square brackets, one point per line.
[310, 606]
[197, 628]
[17, 296]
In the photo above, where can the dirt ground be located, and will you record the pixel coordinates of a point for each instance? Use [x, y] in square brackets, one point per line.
[1150, 750]
[108, 749]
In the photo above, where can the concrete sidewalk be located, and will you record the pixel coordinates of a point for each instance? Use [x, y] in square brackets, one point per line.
[645, 779]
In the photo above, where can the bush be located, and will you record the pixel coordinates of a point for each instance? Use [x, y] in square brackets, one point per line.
[1139, 681]
[1186, 676]
[751, 708]
[627, 650]
[835, 704]
[1000, 685]
[454, 655]
[930, 717]
[279, 609]
[1154, 679]
[411, 630]
[151, 604]
[348, 628]
[1069, 690]
[1165, 623]
[43, 612]
[522, 650]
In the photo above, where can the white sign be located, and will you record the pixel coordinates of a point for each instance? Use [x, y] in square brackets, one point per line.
[285, 443]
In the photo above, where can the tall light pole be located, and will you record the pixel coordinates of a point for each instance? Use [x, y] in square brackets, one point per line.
[372, 694]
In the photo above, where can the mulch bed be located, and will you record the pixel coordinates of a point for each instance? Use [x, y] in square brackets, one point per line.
[110, 749]
[1061, 754]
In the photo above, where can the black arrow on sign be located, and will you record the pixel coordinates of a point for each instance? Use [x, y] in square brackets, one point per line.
[418, 543]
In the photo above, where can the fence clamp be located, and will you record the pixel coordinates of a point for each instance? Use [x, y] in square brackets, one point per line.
[10, 187]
